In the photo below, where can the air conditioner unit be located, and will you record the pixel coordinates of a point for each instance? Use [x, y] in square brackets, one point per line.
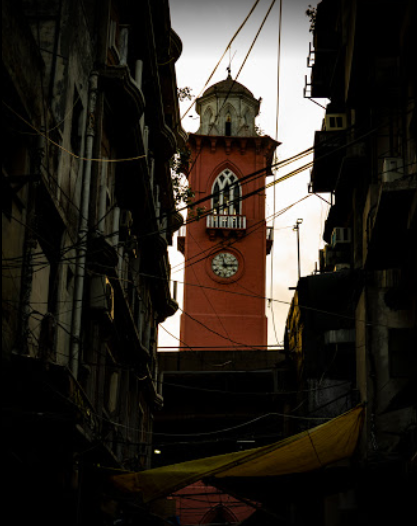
[392, 169]
[102, 295]
[341, 236]
[335, 121]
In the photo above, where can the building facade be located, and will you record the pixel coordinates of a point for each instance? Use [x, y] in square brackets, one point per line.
[362, 329]
[90, 122]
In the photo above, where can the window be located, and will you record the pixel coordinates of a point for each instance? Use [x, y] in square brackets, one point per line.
[336, 122]
[227, 194]
[228, 126]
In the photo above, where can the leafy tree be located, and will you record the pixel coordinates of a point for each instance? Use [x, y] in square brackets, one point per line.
[183, 193]
[312, 14]
[184, 94]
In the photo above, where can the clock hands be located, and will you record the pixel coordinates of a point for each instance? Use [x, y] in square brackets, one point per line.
[225, 265]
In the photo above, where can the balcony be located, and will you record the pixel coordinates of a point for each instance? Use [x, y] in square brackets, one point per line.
[324, 52]
[322, 63]
[225, 225]
[329, 151]
[123, 91]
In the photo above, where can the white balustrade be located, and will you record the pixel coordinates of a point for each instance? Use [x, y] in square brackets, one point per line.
[230, 222]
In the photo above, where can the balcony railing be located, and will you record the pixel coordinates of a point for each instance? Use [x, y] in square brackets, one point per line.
[230, 222]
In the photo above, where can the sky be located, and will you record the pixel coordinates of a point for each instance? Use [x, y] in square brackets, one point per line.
[205, 28]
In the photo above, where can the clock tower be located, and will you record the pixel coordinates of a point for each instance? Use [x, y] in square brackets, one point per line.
[225, 250]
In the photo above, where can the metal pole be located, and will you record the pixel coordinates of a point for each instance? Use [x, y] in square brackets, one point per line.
[83, 228]
[296, 228]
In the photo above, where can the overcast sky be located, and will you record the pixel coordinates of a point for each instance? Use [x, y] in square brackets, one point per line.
[205, 28]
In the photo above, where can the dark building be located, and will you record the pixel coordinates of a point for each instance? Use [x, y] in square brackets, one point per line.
[355, 321]
[320, 341]
[90, 122]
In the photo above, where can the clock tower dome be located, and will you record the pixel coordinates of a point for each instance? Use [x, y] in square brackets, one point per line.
[225, 250]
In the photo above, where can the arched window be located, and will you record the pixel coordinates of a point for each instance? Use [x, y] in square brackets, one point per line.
[228, 126]
[227, 194]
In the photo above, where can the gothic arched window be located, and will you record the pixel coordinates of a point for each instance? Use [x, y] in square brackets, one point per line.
[227, 194]
[228, 126]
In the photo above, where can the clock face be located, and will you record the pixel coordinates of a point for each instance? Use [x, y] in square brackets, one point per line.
[224, 265]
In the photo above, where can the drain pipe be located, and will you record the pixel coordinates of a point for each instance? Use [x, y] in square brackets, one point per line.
[83, 227]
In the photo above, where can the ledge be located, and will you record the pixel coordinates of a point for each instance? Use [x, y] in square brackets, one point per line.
[176, 46]
[119, 85]
[176, 221]
[168, 142]
[263, 144]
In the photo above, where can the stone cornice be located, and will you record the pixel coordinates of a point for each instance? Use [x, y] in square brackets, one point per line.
[263, 144]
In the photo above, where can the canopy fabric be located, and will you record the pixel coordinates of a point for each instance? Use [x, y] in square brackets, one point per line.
[310, 450]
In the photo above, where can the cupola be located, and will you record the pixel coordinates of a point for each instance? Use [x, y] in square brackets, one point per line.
[228, 109]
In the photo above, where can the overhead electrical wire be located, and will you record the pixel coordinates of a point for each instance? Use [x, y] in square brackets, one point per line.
[126, 366]
[249, 231]
[235, 79]
[287, 161]
[256, 37]
[206, 296]
[295, 172]
[110, 235]
[252, 393]
[136, 158]
[334, 140]
[224, 53]
[72, 154]
[271, 299]
[99, 220]
[353, 141]
[250, 295]
[186, 346]
[188, 435]
[272, 259]
[239, 344]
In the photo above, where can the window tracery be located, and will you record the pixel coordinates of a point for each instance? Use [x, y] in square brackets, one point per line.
[227, 194]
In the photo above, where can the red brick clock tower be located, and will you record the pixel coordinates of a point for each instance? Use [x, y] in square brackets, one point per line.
[225, 251]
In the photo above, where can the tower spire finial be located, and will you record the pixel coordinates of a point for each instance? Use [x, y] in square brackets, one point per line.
[229, 67]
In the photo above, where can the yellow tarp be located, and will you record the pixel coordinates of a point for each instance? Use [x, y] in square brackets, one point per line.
[318, 447]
